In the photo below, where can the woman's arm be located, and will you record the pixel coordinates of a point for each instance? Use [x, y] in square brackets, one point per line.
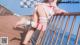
[60, 11]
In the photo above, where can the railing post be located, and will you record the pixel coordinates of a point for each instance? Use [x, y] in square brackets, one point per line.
[71, 29]
[66, 27]
[54, 27]
[78, 35]
[55, 30]
[61, 25]
[53, 22]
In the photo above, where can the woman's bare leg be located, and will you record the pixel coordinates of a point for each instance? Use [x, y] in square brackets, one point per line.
[28, 36]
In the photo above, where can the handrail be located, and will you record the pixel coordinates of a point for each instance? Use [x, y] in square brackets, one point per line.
[69, 14]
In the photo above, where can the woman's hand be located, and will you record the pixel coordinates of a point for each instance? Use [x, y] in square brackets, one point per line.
[60, 12]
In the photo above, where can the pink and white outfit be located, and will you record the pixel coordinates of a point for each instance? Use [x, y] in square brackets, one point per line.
[43, 20]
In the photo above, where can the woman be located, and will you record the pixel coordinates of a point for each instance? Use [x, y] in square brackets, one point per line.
[42, 14]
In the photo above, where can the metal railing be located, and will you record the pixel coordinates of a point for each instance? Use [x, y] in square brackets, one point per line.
[57, 29]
